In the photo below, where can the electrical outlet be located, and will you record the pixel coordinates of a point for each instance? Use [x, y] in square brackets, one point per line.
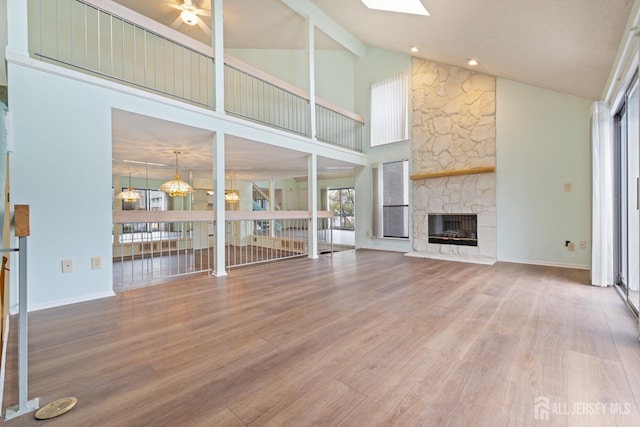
[96, 262]
[67, 265]
[583, 244]
[571, 246]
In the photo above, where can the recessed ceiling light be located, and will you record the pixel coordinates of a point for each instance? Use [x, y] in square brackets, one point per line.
[472, 62]
[413, 49]
[414, 7]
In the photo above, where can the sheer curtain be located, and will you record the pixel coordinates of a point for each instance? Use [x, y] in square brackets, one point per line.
[602, 195]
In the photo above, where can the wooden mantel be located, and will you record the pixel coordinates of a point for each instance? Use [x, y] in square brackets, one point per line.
[440, 174]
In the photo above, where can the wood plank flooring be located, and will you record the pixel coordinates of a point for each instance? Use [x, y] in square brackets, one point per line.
[363, 338]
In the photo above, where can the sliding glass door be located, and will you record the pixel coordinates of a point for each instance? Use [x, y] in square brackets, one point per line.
[627, 250]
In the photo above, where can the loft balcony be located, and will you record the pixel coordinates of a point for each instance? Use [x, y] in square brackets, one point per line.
[147, 55]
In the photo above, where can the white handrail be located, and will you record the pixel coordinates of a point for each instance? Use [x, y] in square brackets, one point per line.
[127, 217]
[172, 34]
[149, 24]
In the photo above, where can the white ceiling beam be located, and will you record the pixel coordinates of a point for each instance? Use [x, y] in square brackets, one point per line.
[321, 20]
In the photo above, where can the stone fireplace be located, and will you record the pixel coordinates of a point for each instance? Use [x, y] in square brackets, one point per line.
[453, 152]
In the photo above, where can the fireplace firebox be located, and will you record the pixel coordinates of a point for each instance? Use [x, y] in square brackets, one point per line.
[453, 229]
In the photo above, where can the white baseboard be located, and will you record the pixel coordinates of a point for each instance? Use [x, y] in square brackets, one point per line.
[546, 263]
[66, 301]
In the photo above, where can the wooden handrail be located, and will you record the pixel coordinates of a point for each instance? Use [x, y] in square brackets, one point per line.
[441, 174]
[21, 220]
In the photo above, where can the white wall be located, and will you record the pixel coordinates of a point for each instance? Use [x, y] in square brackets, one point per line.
[62, 130]
[542, 144]
[376, 65]
[66, 144]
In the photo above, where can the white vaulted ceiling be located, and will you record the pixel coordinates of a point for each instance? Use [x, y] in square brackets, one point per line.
[564, 45]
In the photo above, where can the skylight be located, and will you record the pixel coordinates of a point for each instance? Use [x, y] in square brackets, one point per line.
[414, 7]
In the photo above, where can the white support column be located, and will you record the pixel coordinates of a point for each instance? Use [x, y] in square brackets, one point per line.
[312, 76]
[313, 205]
[17, 27]
[272, 205]
[218, 205]
[218, 53]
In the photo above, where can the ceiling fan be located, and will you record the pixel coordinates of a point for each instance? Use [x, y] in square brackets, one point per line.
[190, 15]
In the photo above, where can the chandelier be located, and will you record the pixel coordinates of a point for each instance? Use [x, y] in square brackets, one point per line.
[129, 195]
[232, 196]
[176, 187]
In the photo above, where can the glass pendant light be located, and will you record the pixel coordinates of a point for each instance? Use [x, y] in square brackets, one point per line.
[232, 196]
[129, 195]
[176, 187]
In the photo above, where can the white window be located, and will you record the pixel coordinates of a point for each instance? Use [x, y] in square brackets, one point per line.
[341, 202]
[391, 199]
[389, 110]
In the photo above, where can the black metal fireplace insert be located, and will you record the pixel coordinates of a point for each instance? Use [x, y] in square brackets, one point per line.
[453, 229]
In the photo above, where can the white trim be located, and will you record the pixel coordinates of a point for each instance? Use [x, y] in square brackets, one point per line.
[74, 300]
[322, 21]
[546, 263]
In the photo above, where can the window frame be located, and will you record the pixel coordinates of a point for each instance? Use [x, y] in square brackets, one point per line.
[341, 215]
[379, 229]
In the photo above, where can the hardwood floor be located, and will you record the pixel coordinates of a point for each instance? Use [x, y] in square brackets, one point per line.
[363, 338]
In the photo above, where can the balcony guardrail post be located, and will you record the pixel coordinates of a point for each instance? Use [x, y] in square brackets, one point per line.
[22, 231]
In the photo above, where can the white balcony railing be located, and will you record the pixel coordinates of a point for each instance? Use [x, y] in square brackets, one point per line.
[107, 40]
[85, 37]
[263, 236]
[155, 245]
[152, 245]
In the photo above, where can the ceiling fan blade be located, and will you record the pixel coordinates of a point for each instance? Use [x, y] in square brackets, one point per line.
[204, 12]
[204, 27]
[177, 22]
[174, 6]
